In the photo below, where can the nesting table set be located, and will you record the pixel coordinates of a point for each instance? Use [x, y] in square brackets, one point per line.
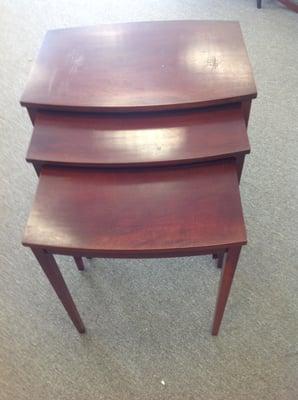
[139, 140]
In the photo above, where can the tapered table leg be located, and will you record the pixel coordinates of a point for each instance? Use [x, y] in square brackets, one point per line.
[50, 268]
[246, 106]
[239, 163]
[220, 259]
[79, 262]
[225, 286]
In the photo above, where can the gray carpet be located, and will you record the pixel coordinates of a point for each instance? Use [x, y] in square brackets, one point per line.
[149, 320]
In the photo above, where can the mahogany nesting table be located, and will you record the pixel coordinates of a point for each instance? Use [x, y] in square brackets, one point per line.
[131, 213]
[139, 141]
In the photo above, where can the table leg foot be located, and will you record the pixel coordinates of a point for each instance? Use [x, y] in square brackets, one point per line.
[225, 286]
[50, 268]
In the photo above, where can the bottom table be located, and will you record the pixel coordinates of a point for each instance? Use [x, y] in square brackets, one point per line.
[137, 213]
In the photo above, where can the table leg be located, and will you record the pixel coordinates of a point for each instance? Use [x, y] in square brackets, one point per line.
[220, 259]
[239, 163]
[80, 263]
[32, 114]
[225, 286]
[259, 3]
[246, 106]
[37, 168]
[50, 268]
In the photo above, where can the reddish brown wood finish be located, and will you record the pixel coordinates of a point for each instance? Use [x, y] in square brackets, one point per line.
[225, 286]
[290, 4]
[50, 268]
[164, 212]
[137, 212]
[220, 259]
[141, 66]
[246, 106]
[143, 139]
[79, 263]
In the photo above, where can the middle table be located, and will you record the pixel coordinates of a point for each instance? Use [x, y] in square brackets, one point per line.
[139, 139]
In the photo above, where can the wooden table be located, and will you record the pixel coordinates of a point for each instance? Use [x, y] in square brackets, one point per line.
[139, 139]
[137, 213]
[147, 66]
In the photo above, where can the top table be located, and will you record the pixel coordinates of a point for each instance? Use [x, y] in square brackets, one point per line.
[141, 66]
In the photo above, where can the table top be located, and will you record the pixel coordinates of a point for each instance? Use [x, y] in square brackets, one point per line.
[138, 139]
[140, 212]
[141, 66]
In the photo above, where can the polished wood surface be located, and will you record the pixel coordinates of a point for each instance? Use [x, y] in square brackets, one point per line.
[141, 66]
[137, 212]
[141, 212]
[142, 139]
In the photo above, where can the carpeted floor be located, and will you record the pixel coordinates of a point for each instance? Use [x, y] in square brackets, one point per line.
[149, 320]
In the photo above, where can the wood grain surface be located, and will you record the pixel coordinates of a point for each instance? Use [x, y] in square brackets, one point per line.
[141, 66]
[137, 212]
[138, 139]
